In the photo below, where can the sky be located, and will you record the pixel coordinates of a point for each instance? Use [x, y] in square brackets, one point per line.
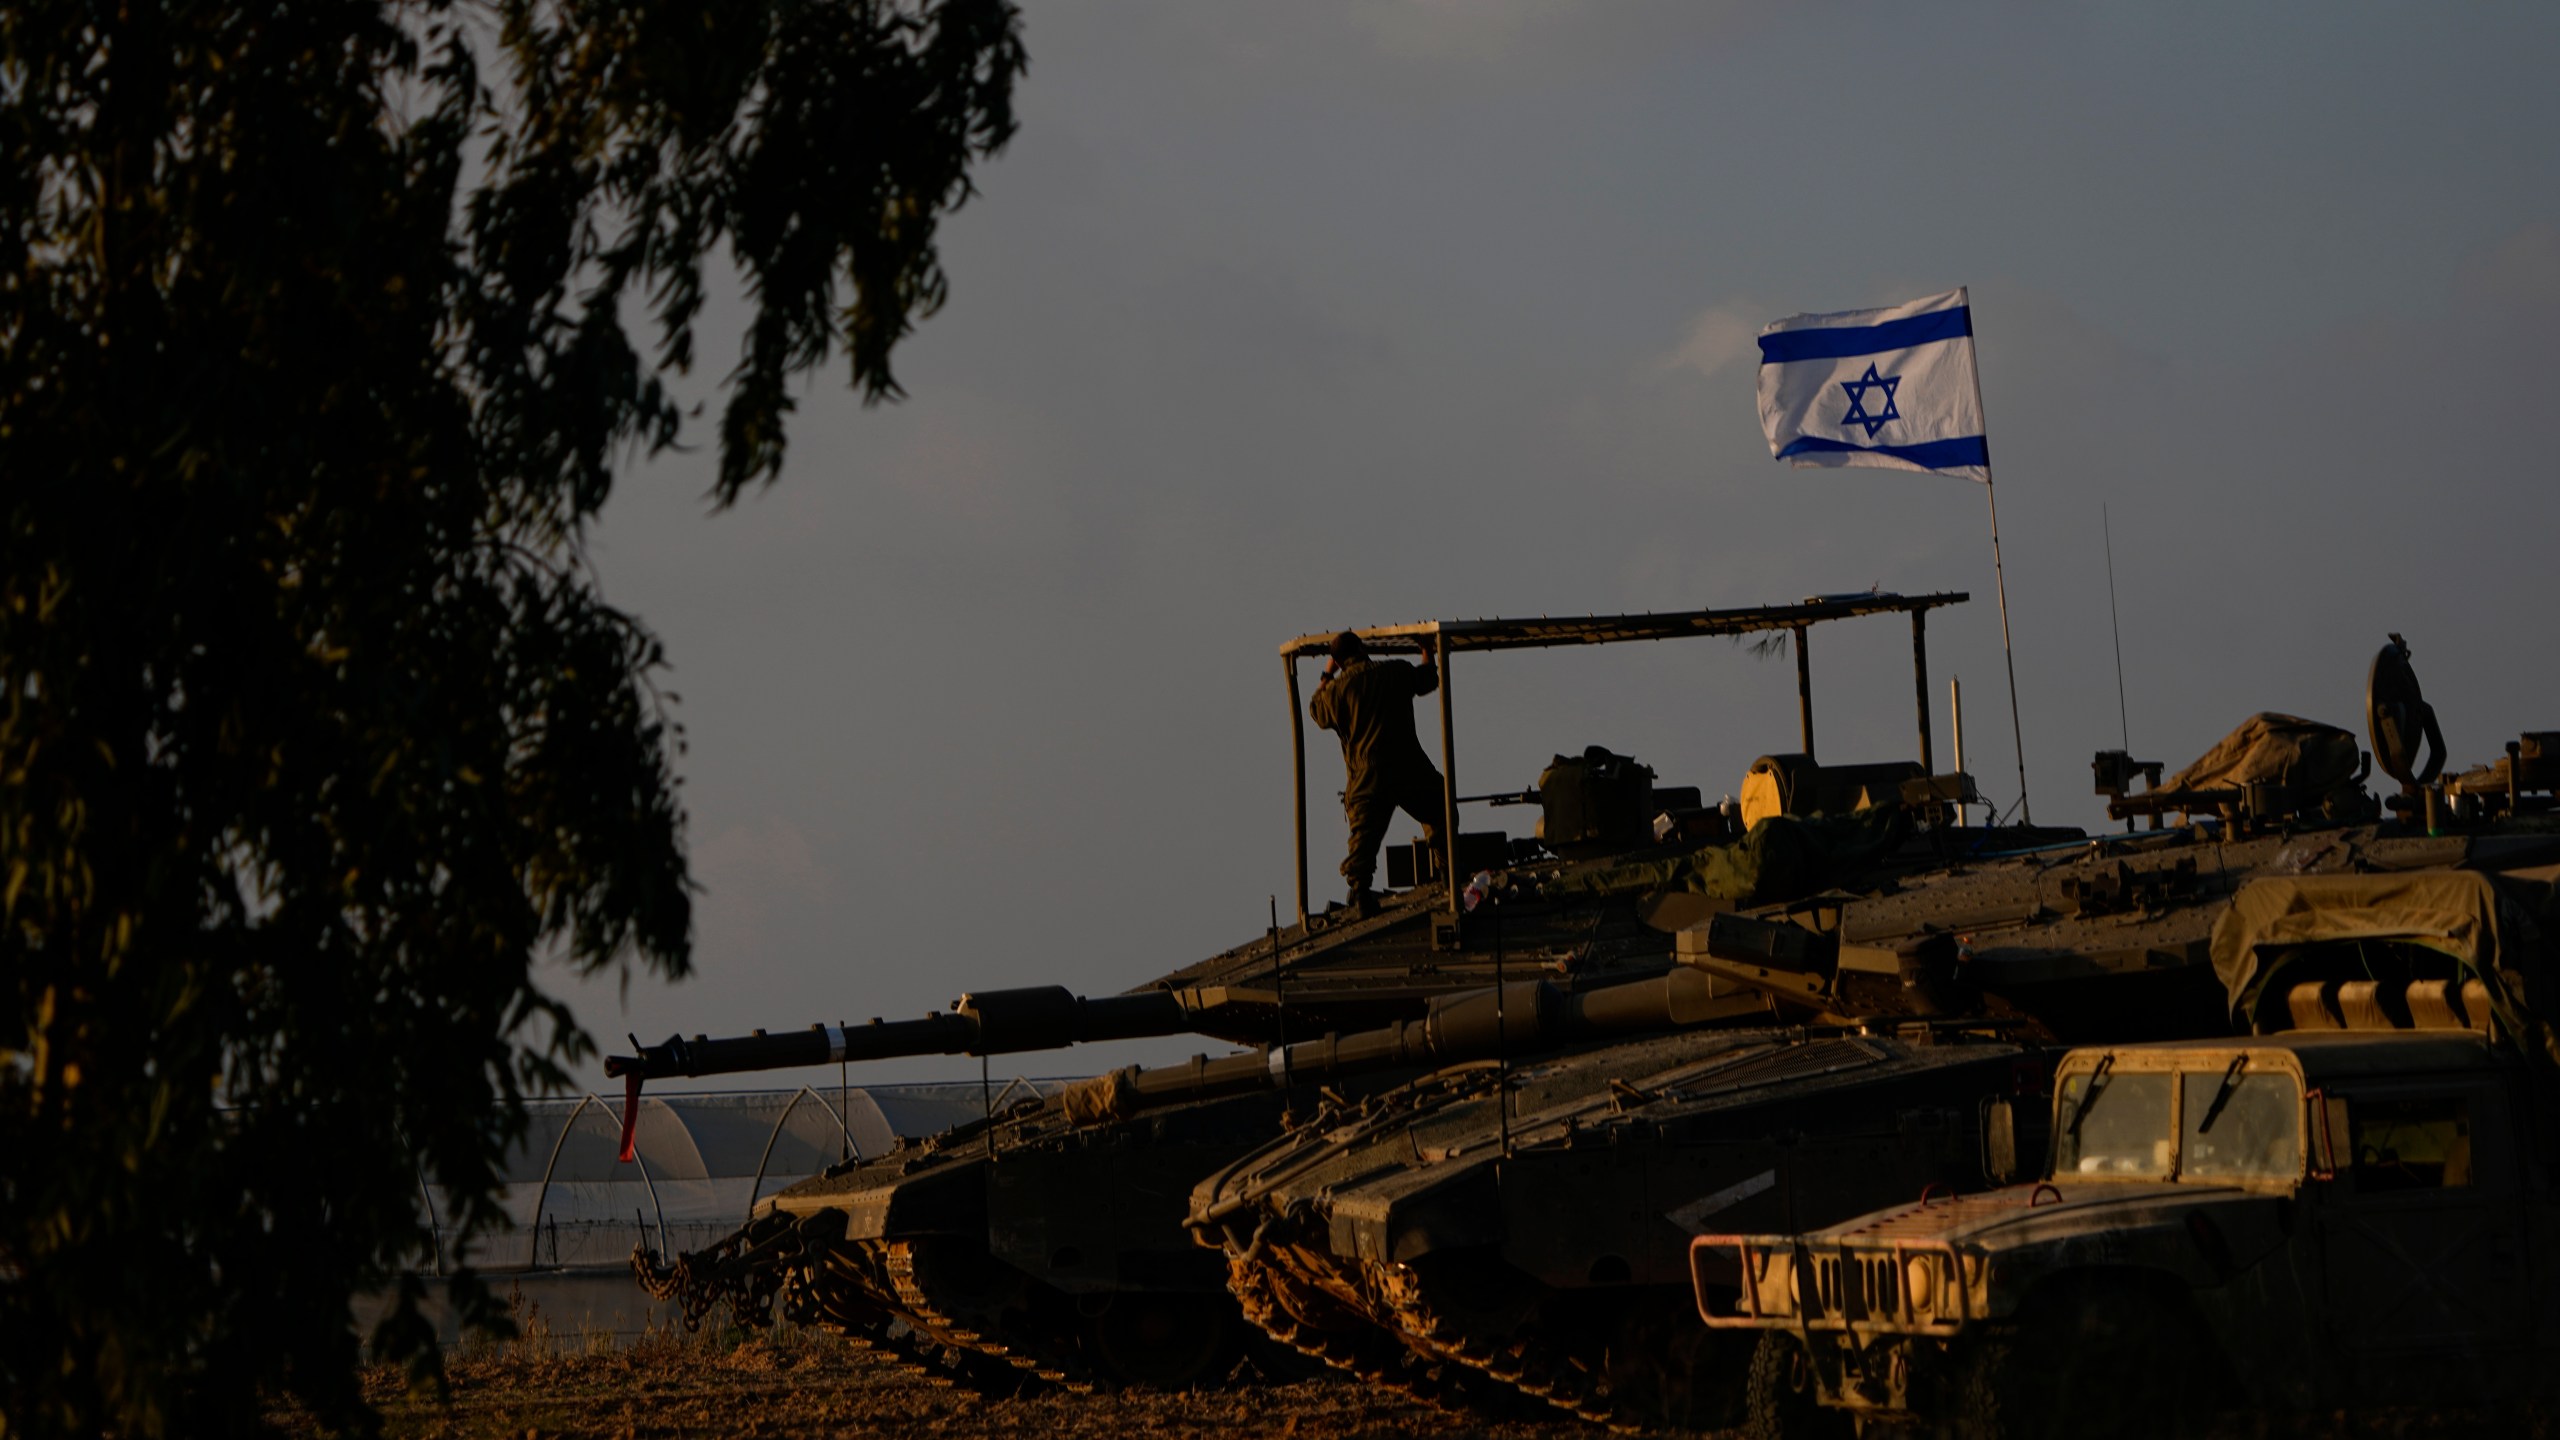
[1277, 319]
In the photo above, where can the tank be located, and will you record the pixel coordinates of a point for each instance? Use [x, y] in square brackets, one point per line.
[1045, 1245]
[1525, 1228]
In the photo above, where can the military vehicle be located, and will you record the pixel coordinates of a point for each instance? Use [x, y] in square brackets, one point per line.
[2330, 1204]
[1533, 1226]
[1044, 1245]
[1519, 1234]
[2343, 1212]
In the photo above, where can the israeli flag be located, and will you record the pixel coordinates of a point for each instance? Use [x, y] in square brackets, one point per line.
[1893, 388]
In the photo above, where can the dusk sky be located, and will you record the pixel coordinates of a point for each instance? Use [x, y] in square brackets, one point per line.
[1284, 318]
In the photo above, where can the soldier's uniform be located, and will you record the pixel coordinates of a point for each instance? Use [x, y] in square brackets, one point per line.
[1369, 703]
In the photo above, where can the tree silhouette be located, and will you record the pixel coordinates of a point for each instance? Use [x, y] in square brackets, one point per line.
[325, 326]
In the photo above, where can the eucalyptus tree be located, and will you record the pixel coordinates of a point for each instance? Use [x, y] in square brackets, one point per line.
[325, 329]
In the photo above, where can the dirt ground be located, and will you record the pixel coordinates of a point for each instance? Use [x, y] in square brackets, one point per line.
[808, 1387]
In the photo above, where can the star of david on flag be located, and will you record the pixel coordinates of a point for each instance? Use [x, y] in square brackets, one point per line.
[1893, 388]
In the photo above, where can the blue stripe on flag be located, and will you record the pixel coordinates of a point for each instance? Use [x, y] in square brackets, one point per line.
[1929, 455]
[1839, 343]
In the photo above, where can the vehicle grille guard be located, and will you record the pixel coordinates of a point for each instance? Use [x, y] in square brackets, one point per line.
[1857, 1287]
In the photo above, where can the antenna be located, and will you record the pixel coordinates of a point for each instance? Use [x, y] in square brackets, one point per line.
[1280, 1001]
[1501, 1046]
[2124, 728]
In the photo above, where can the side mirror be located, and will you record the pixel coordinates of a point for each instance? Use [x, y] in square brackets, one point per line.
[1999, 1142]
[2327, 1115]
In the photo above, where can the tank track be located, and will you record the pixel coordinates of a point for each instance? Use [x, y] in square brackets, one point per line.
[1525, 1358]
[837, 1298]
[1378, 1322]
[917, 1271]
[891, 1298]
[773, 1265]
[1300, 1311]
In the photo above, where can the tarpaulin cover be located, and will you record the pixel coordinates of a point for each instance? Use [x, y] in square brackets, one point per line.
[2462, 913]
[2454, 911]
[2269, 746]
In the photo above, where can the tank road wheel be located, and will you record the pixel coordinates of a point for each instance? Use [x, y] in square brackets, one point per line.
[2094, 1361]
[1164, 1341]
[1778, 1396]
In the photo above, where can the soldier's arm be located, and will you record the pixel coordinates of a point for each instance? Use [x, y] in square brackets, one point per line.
[1322, 707]
[1426, 676]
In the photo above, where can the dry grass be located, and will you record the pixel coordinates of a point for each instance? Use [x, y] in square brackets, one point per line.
[800, 1386]
[804, 1387]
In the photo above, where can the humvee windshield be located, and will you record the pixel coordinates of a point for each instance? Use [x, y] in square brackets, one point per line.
[2115, 1125]
[2240, 1126]
[2220, 1123]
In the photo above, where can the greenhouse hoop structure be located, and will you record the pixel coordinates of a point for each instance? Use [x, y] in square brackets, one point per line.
[702, 1162]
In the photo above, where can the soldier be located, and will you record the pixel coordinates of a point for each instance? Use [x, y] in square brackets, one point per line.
[1369, 703]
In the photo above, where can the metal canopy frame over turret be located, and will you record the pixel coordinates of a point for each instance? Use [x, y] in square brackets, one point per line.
[1447, 637]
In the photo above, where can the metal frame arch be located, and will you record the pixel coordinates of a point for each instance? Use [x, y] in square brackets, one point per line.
[658, 1104]
[435, 1224]
[1019, 1082]
[426, 1198]
[542, 1196]
[844, 1117]
[844, 1123]
[773, 1136]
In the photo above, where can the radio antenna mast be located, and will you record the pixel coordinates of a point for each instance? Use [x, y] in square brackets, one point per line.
[2124, 728]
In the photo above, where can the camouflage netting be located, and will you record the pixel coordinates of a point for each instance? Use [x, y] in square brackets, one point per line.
[1783, 858]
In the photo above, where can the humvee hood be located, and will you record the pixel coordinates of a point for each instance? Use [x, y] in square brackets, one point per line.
[2022, 1212]
[2205, 1233]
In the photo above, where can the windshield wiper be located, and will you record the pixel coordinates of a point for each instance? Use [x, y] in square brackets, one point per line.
[2089, 1097]
[2222, 1096]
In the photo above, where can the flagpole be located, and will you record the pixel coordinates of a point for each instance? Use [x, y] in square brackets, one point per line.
[1999, 578]
[1822, 346]
[2000, 583]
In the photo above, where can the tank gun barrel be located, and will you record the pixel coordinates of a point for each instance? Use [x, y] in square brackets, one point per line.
[990, 1022]
[1520, 1017]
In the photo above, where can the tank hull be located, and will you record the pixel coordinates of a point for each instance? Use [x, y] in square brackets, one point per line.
[1544, 1252]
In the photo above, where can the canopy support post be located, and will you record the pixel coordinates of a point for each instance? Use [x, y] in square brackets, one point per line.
[1298, 779]
[1804, 691]
[1448, 784]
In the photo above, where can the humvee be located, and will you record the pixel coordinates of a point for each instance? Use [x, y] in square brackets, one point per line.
[2351, 1210]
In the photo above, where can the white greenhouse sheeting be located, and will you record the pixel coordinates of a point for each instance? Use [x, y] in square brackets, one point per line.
[703, 1162]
